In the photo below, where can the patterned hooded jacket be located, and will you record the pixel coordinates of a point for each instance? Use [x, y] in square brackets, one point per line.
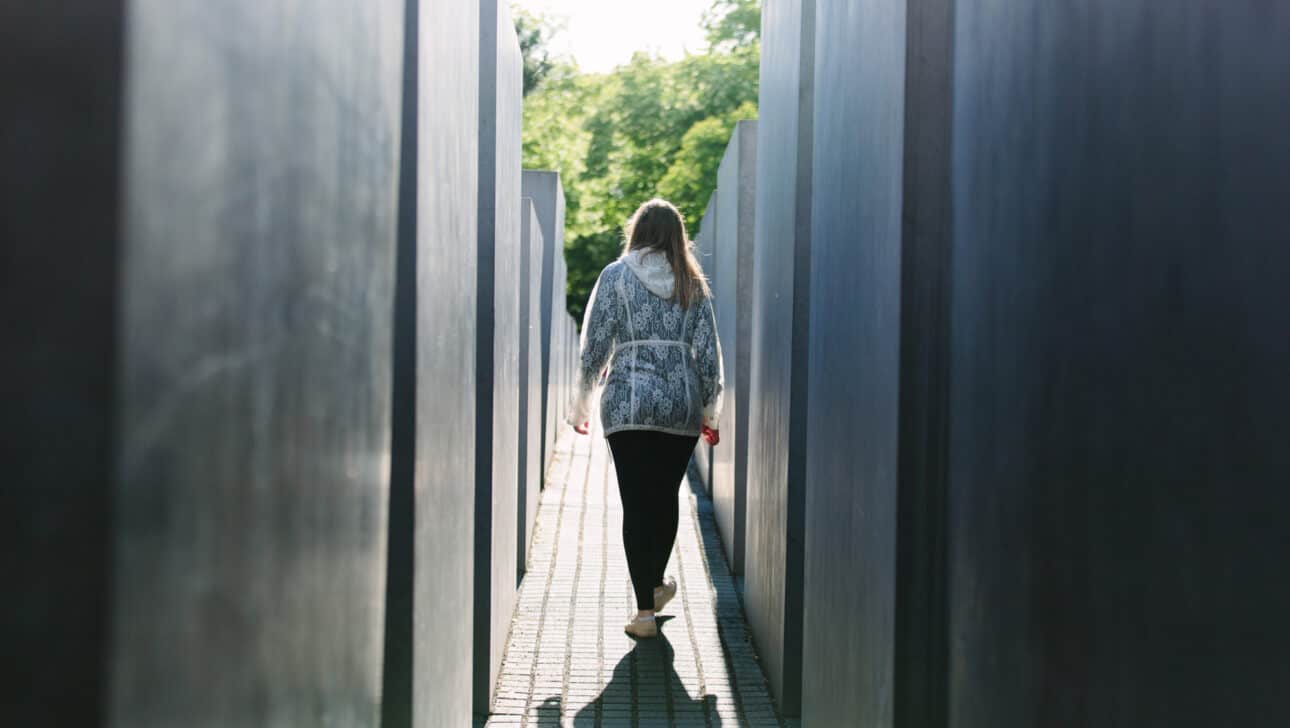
[664, 361]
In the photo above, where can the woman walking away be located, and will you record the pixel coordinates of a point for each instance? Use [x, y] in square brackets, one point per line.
[650, 314]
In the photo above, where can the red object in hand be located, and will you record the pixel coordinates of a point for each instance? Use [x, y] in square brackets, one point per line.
[582, 429]
[711, 436]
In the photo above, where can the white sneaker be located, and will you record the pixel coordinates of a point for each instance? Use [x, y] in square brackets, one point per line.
[641, 628]
[663, 594]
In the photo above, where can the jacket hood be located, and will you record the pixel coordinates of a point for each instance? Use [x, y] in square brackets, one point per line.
[653, 270]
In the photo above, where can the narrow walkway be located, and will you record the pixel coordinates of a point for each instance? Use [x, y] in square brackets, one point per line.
[568, 662]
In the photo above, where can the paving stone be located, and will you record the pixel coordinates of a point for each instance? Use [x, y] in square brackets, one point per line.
[567, 661]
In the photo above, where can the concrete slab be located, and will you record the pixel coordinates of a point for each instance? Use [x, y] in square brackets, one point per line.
[544, 188]
[447, 301]
[854, 358]
[780, 329]
[530, 435]
[1117, 420]
[59, 289]
[737, 180]
[497, 425]
[256, 291]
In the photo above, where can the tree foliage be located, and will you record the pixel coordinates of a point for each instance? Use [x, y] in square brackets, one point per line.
[649, 128]
[732, 23]
[535, 32]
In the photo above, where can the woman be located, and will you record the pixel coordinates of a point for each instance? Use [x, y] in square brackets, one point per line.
[650, 317]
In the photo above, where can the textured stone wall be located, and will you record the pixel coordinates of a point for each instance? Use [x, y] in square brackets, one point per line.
[780, 331]
[256, 283]
[1043, 395]
[60, 135]
[853, 371]
[498, 341]
[258, 198]
[548, 198]
[1118, 400]
[431, 458]
[733, 251]
[530, 388]
[447, 301]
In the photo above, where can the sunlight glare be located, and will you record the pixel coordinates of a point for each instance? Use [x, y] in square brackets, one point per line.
[601, 34]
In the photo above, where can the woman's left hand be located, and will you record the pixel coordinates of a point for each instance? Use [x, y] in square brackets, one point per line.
[582, 429]
[711, 436]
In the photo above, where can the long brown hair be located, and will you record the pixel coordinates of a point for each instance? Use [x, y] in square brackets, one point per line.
[658, 225]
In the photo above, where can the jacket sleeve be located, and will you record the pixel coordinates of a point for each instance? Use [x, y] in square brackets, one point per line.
[599, 332]
[707, 356]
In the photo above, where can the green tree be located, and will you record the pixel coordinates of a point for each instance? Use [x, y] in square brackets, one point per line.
[732, 23]
[535, 32]
[650, 128]
[690, 179]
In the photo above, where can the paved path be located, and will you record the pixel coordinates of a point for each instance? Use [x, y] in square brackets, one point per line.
[568, 661]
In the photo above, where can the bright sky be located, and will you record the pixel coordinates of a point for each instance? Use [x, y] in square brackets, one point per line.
[601, 34]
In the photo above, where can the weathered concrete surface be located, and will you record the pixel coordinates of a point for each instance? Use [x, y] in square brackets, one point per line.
[256, 293]
[737, 181]
[852, 373]
[1118, 410]
[777, 351]
[60, 172]
[548, 197]
[530, 389]
[1087, 495]
[447, 228]
[498, 344]
[400, 562]
[920, 639]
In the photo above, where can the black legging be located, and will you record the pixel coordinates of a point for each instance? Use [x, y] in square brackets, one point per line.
[650, 466]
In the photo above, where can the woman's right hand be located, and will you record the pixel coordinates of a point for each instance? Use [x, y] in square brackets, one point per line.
[582, 429]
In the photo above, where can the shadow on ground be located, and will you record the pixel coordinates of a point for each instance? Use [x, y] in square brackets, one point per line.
[644, 690]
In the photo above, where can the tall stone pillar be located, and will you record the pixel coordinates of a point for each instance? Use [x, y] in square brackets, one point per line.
[200, 240]
[737, 182]
[497, 425]
[544, 189]
[780, 329]
[530, 388]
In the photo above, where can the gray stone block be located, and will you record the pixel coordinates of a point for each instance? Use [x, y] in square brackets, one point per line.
[853, 370]
[733, 247]
[1092, 361]
[548, 197]
[921, 651]
[257, 287]
[777, 368]
[530, 436]
[447, 301]
[60, 183]
[497, 340]
[428, 586]
[1118, 349]
[208, 518]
